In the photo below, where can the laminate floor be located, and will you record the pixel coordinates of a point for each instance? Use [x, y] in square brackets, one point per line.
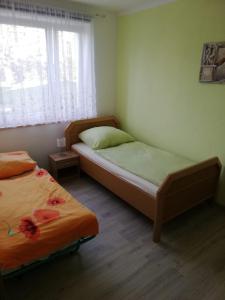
[122, 262]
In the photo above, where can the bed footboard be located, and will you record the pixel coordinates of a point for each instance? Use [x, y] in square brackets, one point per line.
[185, 189]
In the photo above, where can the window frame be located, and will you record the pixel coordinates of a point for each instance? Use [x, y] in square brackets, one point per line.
[47, 25]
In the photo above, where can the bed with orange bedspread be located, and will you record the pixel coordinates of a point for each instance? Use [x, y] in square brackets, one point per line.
[37, 218]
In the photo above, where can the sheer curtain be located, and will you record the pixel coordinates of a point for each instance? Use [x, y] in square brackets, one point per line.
[46, 65]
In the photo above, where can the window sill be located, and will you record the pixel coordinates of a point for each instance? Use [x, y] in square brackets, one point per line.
[36, 125]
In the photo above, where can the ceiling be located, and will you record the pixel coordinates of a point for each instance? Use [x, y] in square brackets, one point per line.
[124, 6]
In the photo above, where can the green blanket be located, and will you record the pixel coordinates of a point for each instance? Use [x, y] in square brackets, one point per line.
[145, 161]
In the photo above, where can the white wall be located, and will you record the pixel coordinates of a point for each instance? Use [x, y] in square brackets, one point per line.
[41, 140]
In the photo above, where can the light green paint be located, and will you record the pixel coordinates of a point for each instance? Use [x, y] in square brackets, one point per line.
[160, 100]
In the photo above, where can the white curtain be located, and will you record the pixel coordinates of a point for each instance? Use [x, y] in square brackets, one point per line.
[46, 66]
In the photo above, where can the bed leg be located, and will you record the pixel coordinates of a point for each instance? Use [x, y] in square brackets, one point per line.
[157, 228]
[2, 289]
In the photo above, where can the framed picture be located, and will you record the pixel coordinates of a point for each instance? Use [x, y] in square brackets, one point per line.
[213, 63]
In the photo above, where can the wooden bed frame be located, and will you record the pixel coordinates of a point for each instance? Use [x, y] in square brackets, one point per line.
[179, 192]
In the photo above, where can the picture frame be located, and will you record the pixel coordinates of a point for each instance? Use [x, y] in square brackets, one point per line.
[213, 63]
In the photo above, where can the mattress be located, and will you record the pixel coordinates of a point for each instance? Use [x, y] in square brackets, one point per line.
[145, 161]
[37, 218]
[141, 183]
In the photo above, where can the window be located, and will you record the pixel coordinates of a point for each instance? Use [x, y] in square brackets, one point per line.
[46, 70]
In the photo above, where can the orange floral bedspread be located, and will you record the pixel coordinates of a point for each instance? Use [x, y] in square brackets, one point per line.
[38, 217]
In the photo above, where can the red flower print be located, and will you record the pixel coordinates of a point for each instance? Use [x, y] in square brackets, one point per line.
[55, 201]
[29, 229]
[41, 172]
[46, 215]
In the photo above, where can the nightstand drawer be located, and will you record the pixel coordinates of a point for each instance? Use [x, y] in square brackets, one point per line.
[66, 164]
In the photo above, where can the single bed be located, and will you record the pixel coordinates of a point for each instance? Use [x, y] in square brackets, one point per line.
[39, 221]
[178, 192]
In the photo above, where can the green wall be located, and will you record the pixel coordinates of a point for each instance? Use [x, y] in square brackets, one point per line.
[159, 98]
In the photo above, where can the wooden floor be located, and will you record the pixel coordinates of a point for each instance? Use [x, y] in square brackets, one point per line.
[124, 263]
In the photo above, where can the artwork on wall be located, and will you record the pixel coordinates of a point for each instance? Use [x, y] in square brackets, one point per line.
[213, 63]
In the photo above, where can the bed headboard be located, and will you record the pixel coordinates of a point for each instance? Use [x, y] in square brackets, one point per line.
[74, 128]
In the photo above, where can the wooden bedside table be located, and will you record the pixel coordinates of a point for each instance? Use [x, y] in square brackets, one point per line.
[64, 164]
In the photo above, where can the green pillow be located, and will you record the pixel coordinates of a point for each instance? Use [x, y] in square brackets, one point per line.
[104, 137]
